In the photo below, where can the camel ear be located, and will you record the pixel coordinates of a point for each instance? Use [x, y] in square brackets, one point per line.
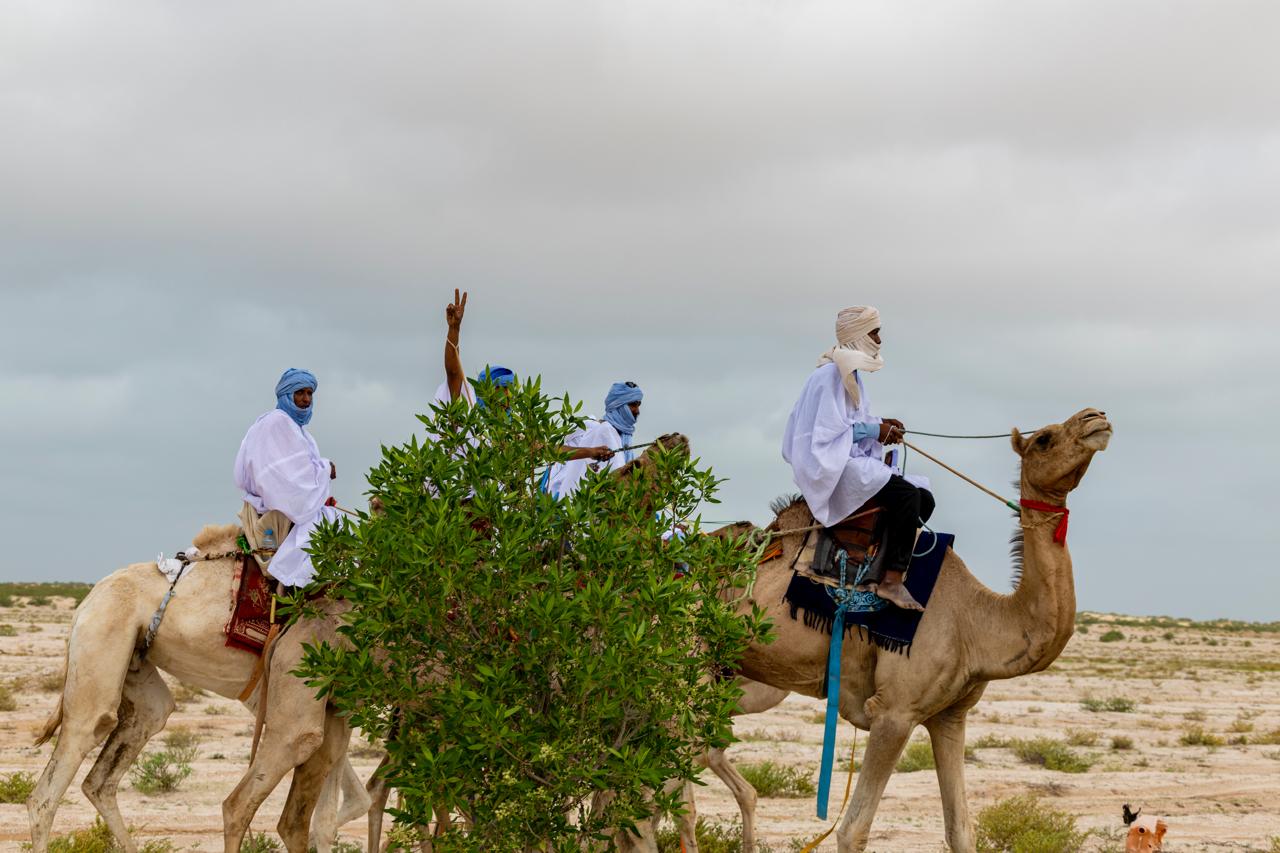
[1019, 443]
[1161, 829]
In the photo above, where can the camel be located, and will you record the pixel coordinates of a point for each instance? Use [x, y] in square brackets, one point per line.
[967, 636]
[110, 694]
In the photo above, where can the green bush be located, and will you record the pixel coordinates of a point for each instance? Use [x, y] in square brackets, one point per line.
[1081, 737]
[1111, 636]
[40, 601]
[1024, 825]
[98, 839]
[16, 787]
[6, 600]
[162, 772]
[572, 659]
[712, 838]
[1116, 704]
[917, 756]
[1050, 754]
[182, 741]
[1197, 736]
[1121, 742]
[7, 630]
[777, 780]
[260, 842]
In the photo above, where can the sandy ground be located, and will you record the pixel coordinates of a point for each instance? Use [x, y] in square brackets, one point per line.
[1213, 797]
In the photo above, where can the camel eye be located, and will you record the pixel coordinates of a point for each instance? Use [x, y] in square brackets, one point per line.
[1042, 440]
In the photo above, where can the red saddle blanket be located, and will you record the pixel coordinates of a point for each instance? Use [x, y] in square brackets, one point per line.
[250, 608]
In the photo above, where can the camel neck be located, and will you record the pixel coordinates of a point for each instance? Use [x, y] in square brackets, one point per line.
[1037, 619]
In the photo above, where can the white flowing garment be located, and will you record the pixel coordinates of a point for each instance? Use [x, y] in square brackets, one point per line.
[835, 474]
[280, 467]
[565, 476]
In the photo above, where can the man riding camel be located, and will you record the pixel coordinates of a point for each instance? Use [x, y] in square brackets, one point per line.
[602, 440]
[835, 447]
[456, 385]
[285, 481]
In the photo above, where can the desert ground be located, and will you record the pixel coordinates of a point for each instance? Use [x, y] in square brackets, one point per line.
[1192, 736]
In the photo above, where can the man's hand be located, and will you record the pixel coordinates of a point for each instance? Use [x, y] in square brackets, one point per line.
[453, 311]
[333, 471]
[601, 454]
[891, 431]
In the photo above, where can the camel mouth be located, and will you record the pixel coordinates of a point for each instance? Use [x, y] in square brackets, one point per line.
[1097, 434]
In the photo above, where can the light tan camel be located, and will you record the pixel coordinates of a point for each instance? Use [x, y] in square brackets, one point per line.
[756, 699]
[109, 694]
[967, 636]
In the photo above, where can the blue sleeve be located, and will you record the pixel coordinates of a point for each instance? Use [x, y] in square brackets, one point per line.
[861, 431]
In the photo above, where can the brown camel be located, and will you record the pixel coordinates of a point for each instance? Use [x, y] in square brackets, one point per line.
[110, 694]
[967, 636]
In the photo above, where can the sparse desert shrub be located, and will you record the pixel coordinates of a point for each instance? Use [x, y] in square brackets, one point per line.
[777, 780]
[1111, 636]
[346, 847]
[98, 839]
[1082, 629]
[1120, 742]
[1196, 716]
[40, 601]
[16, 787]
[185, 693]
[1082, 737]
[7, 702]
[991, 741]
[162, 772]
[6, 600]
[1168, 635]
[1275, 844]
[1115, 704]
[917, 756]
[51, 682]
[216, 710]
[33, 628]
[1050, 754]
[1271, 738]
[712, 838]
[1024, 825]
[1196, 736]
[7, 630]
[259, 842]
[182, 741]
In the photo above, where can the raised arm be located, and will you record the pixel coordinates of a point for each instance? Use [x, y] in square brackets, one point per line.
[452, 358]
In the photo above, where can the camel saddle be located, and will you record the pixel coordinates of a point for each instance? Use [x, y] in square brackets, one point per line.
[860, 537]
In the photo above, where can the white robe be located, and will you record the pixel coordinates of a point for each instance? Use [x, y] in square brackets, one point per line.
[280, 467]
[565, 476]
[835, 474]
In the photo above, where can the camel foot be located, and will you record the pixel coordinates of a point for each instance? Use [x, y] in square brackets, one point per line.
[896, 594]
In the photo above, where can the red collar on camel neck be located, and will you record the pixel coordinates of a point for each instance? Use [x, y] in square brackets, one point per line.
[1060, 532]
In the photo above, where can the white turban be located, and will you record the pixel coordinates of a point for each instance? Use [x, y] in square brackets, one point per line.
[854, 349]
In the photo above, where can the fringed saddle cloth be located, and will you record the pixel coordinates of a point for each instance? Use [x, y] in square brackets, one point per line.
[250, 620]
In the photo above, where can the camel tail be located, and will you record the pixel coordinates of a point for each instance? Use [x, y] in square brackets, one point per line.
[54, 722]
[51, 725]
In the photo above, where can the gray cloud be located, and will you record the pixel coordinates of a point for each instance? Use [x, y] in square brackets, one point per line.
[1054, 205]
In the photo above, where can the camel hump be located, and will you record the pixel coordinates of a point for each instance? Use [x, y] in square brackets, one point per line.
[213, 538]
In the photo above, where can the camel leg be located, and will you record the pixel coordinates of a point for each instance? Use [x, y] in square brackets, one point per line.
[743, 792]
[888, 736]
[378, 791]
[308, 779]
[946, 732]
[145, 706]
[86, 715]
[343, 784]
[292, 734]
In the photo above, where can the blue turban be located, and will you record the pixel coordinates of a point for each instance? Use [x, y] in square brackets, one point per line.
[500, 376]
[617, 409]
[292, 380]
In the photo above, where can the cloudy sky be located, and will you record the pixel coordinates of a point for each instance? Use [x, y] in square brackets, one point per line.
[1054, 205]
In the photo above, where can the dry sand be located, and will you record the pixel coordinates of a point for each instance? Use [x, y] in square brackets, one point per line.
[1226, 683]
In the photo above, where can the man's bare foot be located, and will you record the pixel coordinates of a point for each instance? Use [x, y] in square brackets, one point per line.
[896, 594]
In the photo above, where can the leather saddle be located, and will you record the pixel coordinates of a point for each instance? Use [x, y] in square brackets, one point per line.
[860, 537]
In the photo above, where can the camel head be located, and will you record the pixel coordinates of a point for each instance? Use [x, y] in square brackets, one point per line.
[670, 441]
[1055, 457]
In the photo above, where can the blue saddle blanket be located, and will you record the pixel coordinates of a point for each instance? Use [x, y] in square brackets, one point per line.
[891, 628]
